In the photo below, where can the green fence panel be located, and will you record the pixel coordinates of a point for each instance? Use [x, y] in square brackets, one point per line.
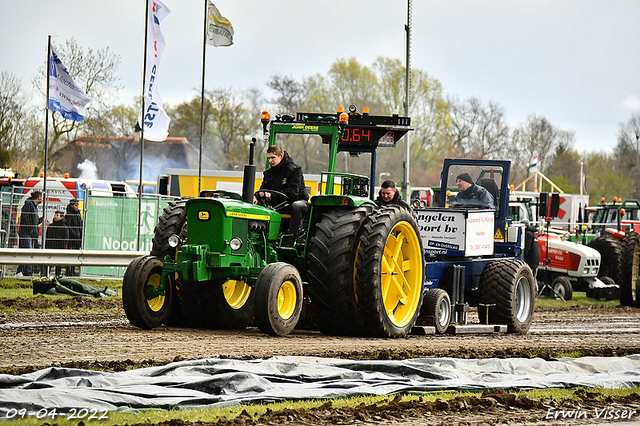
[112, 224]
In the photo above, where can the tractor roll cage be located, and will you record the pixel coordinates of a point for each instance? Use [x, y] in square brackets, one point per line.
[364, 133]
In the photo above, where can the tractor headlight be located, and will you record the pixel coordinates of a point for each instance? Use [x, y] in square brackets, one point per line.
[174, 241]
[235, 244]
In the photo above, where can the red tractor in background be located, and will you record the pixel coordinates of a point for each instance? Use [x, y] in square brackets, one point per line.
[566, 265]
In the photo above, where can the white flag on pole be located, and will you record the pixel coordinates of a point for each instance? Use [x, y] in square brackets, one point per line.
[155, 120]
[219, 29]
[65, 96]
[533, 167]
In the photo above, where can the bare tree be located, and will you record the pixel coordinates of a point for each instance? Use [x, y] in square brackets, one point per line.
[230, 124]
[290, 97]
[537, 136]
[12, 113]
[478, 131]
[627, 151]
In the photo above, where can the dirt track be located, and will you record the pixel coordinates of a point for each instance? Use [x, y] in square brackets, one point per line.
[103, 338]
[34, 339]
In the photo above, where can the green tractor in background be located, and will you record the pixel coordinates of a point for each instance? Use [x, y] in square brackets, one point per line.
[359, 271]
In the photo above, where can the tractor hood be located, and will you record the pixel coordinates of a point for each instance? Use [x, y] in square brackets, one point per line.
[576, 260]
[216, 217]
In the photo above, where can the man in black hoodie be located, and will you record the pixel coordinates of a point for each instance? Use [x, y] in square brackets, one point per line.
[389, 195]
[286, 176]
[57, 236]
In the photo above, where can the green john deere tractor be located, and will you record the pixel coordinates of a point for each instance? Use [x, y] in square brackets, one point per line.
[359, 271]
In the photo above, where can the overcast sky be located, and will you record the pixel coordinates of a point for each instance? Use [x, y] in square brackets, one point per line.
[576, 62]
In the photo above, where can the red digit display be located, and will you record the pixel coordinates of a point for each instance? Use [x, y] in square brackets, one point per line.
[356, 135]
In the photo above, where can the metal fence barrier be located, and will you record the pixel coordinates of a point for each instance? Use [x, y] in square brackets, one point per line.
[110, 229]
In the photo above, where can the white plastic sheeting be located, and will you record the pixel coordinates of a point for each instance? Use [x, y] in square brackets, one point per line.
[223, 382]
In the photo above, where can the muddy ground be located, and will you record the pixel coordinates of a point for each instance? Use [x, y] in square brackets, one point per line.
[102, 338]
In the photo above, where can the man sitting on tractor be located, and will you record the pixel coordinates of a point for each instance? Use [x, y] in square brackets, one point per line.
[286, 177]
[389, 195]
[470, 193]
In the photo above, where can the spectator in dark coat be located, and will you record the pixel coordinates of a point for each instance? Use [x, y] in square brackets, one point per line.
[74, 223]
[57, 236]
[28, 231]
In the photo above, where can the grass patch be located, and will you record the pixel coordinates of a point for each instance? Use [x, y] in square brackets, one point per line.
[16, 295]
[252, 411]
[578, 299]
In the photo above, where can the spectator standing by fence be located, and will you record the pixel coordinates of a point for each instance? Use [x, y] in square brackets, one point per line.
[28, 232]
[57, 236]
[74, 223]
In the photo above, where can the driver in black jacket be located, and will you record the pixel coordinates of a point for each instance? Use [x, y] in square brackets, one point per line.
[286, 176]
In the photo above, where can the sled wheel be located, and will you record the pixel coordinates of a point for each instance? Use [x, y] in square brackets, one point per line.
[630, 269]
[562, 288]
[610, 251]
[146, 305]
[436, 309]
[389, 276]
[278, 299]
[332, 258]
[509, 284]
[173, 221]
[608, 280]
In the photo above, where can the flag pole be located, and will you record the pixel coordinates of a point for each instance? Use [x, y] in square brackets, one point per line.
[204, 50]
[144, 80]
[46, 145]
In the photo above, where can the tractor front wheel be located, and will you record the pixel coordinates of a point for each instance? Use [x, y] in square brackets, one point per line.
[389, 276]
[562, 288]
[278, 301]
[147, 305]
[509, 285]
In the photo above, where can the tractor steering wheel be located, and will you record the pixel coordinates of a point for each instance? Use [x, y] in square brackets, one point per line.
[275, 201]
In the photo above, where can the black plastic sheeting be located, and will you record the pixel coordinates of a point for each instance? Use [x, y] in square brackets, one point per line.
[224, 382]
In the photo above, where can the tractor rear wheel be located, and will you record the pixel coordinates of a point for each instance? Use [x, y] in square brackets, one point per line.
[509, 284]
[278, 301]
[145, 304]
[332, 254]
[389, 276]
[630, 269]
[436, 309]
[562, 288]
[610, 251]
[173, 221]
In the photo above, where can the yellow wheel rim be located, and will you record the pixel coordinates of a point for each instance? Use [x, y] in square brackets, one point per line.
[236, 293]
[287, 298]
[401, 274]
[157, 302]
